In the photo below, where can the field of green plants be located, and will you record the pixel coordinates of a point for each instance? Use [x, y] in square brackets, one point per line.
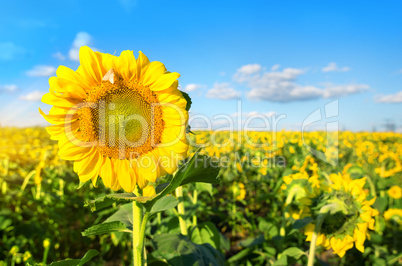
[259, 213]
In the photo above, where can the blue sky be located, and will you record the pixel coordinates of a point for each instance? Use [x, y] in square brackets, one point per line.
[276, 57]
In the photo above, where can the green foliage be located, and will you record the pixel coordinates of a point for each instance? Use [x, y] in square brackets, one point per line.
[179, 250]
[77, 262]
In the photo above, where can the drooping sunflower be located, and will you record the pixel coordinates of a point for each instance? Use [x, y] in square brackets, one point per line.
[349, 214]
[119, 118]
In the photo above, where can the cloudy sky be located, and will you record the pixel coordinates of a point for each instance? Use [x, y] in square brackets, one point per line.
[273, 59]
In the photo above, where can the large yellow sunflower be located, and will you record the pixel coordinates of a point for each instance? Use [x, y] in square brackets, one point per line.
[119, 118]
[349, 214]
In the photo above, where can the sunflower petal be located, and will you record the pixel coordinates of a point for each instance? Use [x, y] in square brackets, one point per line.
[90, 65]
[165, 81]
[127, 65]
[142, 61]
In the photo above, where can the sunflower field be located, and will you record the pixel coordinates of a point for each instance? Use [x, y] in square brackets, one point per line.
[277, 193]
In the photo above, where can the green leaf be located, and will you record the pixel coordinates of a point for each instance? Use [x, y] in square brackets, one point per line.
[204, 187]
[164, 204]
[179, 250]
[268, 228]
[161, 187]
[83, 184]
[199, 168]
[188, 99]
[105, 228]
[206, 233]
[70, 262]
[107, 200]
[251, 242]
[124, 214]
[242, 254]
[294, 252]
[282, 261]
[301, 223]
[195, 170]
[381, 204]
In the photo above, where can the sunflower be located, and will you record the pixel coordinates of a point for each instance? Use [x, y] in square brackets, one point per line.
[239, 190]
[119, 118]
[348, 214]
[394, 216]
[395, 192]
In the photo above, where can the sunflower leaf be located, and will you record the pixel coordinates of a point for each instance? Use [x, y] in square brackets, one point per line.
[107, 200]
[105, 228]
[177, 249]
[199, 168]
[188, 99]
[74, 262]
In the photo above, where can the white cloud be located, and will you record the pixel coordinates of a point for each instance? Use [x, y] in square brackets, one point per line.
[333, 67]
[41, 71]
[246, 72]
[281, 86]
[59, 56]
[250, 69]
[223, 91]
[32, 96]
[342, 90]
[390, 98]
[81, 39]
[10, 51]
[192, 87]
[8, 88]
[275, 67]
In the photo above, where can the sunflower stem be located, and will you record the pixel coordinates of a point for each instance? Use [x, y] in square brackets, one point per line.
[289, 199]
[181, 211]
[137, 239]
[373, 191]
[313, 245]
[195, 198]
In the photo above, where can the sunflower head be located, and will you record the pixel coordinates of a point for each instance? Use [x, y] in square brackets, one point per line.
[395, 192]
[348, 214]
[119, 118]
[238, 190]
[394, 217]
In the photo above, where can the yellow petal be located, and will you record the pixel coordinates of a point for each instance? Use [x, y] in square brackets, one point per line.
[152, 72]
[68, 88]
[142, 61]
[71, 75]
[50, 99]
[126, 65]
[90, 66]
[107, 173]
[123, 174]
[148, 191]
[106, 62]
[147, 167]
[70, 151]
[165, 81]
[88, 167]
